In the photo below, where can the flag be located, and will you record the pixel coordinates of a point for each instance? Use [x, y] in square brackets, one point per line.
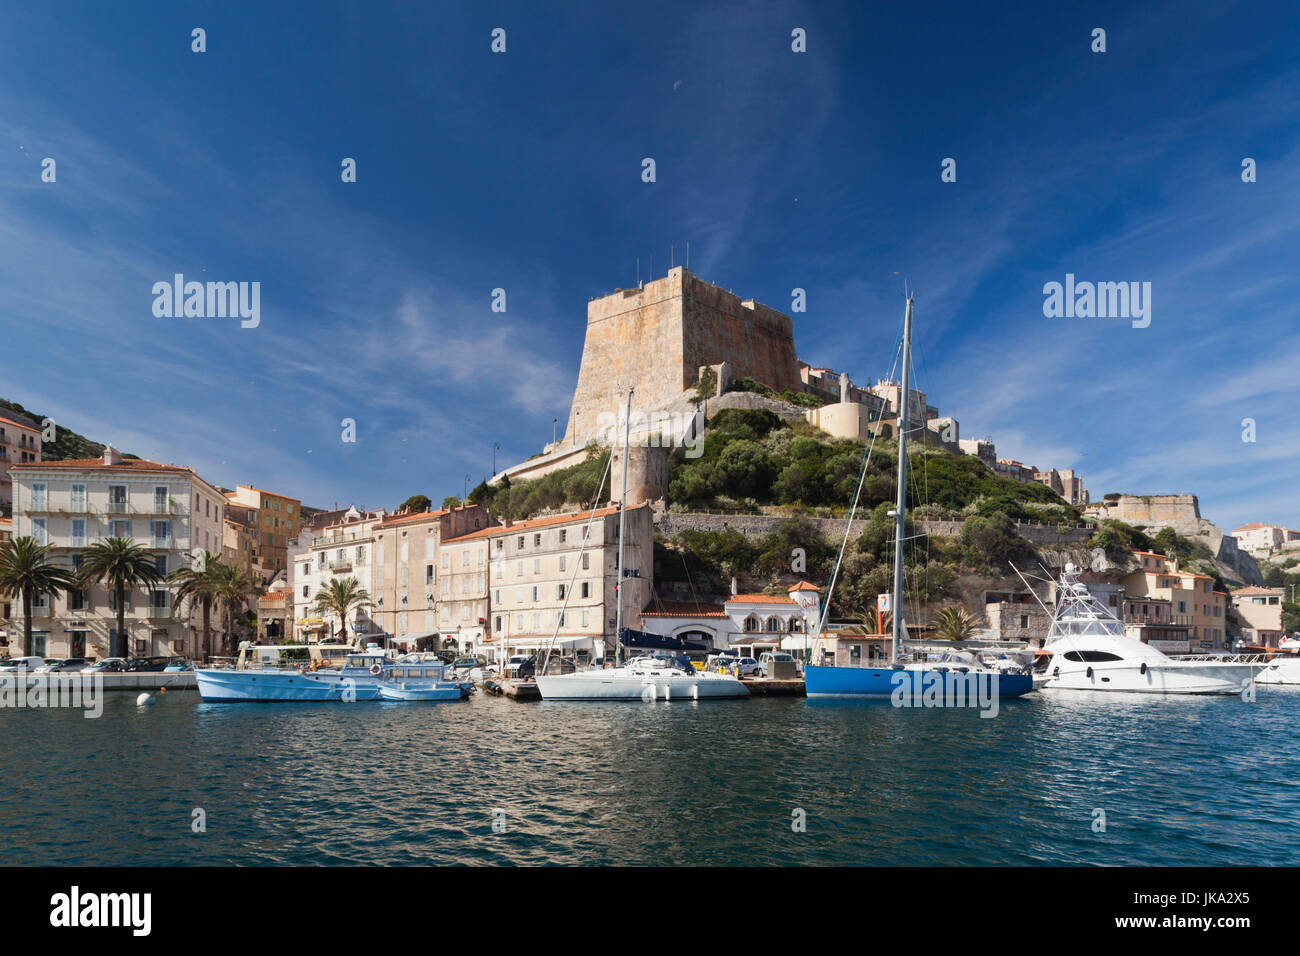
[882, 602]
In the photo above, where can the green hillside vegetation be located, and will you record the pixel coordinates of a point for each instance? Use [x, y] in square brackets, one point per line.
[573, 487]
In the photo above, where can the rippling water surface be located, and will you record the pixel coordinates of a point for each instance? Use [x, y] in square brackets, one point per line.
[1181, 781]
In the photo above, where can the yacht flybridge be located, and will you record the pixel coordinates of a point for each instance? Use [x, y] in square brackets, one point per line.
[1087, 649]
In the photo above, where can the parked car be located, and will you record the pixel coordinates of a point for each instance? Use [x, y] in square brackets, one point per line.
[66, 665]
[520, 667]
[28, 664]
[178, 664]
[109, 665]
[142, 664]
[745, 667]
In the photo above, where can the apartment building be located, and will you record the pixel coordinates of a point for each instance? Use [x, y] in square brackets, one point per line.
[20, 442]
[1261, 610]
[513, 588]
[1065, 483]
[406, 583]
[259, 526]
[341, 547]
[71, 504]
[1193, 600]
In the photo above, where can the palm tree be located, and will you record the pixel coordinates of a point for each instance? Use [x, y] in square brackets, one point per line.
[340, 596]
[201, 584]
[954, 623]
[121, 565]
[235, 586]
[26, 570]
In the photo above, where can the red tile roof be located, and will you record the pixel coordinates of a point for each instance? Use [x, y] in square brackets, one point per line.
[576, 517]
[1254, 589]
[411, 518]
[10, 421]
[658, 608]
[805, 586]
[759, 599]
[130, 464]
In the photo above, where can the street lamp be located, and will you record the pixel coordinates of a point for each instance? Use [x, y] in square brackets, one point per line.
[496, 447]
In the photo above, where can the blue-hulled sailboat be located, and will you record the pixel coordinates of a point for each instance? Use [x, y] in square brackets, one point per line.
[960, 680]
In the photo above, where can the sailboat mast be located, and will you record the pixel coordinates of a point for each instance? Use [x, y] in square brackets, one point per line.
[622, 507]
[900, 507]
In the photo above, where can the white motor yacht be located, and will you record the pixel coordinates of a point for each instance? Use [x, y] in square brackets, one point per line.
[1087, 649]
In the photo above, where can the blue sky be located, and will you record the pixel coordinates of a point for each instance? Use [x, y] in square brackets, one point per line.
[521, 170]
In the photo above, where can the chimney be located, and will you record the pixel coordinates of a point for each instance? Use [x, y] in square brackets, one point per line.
[112, 456]
[734, 590]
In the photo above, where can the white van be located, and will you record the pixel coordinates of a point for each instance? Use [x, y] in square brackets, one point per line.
[28, 664]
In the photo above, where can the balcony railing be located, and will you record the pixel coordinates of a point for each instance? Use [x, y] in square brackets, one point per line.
[160, 611]
[342, 565]
[161, 544]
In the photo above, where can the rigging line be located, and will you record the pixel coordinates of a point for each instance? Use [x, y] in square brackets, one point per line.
[568, 591]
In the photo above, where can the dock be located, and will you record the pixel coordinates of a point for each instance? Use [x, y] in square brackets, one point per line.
[774, 687]
[520, 690]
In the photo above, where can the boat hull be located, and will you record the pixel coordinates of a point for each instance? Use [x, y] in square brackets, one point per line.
[1280, 671]
[418, 695]
[1160, 678]
[595, 685]
[235, 686]
[874, 683]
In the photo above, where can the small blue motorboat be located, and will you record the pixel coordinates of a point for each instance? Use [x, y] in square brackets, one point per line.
[418, 693]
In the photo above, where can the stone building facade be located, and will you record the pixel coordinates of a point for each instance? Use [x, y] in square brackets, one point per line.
[656, 338]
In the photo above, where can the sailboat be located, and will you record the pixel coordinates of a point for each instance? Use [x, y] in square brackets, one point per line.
[962, 678]
[662, 676]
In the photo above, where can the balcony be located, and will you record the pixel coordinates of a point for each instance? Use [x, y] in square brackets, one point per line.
[160, 612]
[341, 565]
[161, 544]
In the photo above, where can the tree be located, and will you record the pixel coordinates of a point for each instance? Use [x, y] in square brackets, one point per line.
[200, 584]
[26, 570]
[451, 501]
[953, 623]
[416, 503]
[235, 586]
[121, 565]
[341, 596]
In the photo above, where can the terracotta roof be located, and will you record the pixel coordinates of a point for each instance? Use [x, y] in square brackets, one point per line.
[805, 586]
[130, 464]
[1250, 527]
[658, 608]
[1254, 589]
[17, 424]
[273, 494]
[413, 516]
[759, 599]
[533, 524]
[6, 520]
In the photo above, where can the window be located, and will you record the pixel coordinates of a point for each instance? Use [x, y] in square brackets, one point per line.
[561, 562]
[78, 533]
[560, 592]
[361, 554]
[519, 568]
[464, 559]
[161, 533]
[586, 589]
[537, 565]
[501, 543]
[38, 530]
[305, 589]
[160, 563]
[38, 496]
[446, 560]
[160, 499]
[1091, 657]
[77, 600]
[78, 497]
[751, 623]
[586, 561]
[405, 551]
[306, 567]
[428, 574]
[537, 541]
[585, 618]
[564, 535]
[520, 546]
[497, 623]
[534, 594]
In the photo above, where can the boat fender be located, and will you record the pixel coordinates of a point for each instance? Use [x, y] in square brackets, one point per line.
[376, 669]
[1143, 668]
[1089, 673]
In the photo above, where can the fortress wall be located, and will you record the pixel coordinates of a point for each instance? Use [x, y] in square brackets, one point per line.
[634, 337]
[657, 337]
[757, 341]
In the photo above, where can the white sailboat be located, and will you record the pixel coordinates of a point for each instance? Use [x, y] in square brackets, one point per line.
[642, 678]
[1087, 649]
